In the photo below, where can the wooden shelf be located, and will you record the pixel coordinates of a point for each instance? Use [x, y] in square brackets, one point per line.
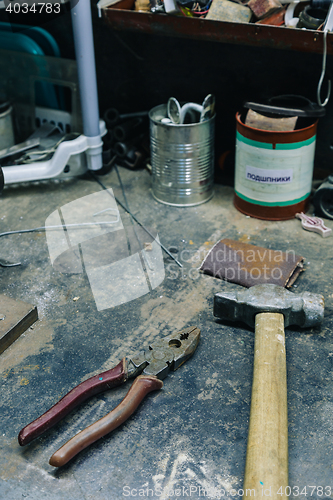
[274, 37]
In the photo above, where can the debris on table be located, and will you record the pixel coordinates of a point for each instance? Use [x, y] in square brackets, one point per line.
[294, 14]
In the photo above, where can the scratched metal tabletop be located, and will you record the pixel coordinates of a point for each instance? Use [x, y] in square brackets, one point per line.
[188, 439]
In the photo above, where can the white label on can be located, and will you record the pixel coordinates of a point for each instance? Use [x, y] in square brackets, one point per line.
[294, 160]
[269, 176]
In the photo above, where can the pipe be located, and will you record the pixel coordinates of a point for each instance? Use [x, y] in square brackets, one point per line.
[85, 58]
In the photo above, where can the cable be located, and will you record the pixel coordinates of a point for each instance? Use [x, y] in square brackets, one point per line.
[323, 70]
[135, 219]
[132, 221]
[45, 228]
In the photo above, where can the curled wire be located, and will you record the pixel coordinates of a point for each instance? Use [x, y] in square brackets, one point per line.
[323, 70]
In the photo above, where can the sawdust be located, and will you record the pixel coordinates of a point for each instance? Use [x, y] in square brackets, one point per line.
[209, 392]
[172, 313]
[13, 460]
[204, 395]
[179, 474]
[245, 238]
[162, 316]
[34, 340]
[204, 249]
[14, 465]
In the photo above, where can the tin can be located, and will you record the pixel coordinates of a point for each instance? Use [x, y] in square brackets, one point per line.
[182, 160]
[273, 170]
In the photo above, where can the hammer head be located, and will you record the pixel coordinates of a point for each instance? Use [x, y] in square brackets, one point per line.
[305, 309]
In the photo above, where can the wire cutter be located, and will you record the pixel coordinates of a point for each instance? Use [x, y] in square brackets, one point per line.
[154, 363]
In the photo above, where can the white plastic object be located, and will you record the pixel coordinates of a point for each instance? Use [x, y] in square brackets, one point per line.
[77, 155]
[328, 26]
[171, 7]
[314, 224]
[289, 19]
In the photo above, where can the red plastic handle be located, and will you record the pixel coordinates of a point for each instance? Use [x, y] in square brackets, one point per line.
[139, 389]
[80, 393]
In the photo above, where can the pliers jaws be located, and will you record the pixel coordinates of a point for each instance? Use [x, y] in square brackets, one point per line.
[166, 354]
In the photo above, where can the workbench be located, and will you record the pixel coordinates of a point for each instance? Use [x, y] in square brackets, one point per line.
[189, 437]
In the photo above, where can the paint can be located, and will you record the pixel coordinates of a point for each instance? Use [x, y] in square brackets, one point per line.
[182, 160]
[273, 170]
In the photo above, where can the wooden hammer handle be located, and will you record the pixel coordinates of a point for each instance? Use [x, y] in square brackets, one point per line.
[266, 469]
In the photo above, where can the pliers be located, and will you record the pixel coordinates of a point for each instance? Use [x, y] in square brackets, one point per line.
[154, 363]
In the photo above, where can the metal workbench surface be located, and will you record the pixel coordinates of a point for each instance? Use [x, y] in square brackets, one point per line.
[188, 439]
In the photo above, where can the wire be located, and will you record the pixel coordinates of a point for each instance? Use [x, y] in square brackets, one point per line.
[132, 221]
[323, 70]
[135, 219]
[46, 228]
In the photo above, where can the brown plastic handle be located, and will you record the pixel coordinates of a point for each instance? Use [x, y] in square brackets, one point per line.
[80, 393]
[140, 388]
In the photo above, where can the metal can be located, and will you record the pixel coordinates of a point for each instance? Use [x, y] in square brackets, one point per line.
[273, 170]
[182, 160]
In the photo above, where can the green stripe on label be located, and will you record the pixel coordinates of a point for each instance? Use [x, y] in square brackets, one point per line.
[266, 145]
[272, 204]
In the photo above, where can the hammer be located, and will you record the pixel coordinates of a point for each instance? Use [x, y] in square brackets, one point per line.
[270, 308]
